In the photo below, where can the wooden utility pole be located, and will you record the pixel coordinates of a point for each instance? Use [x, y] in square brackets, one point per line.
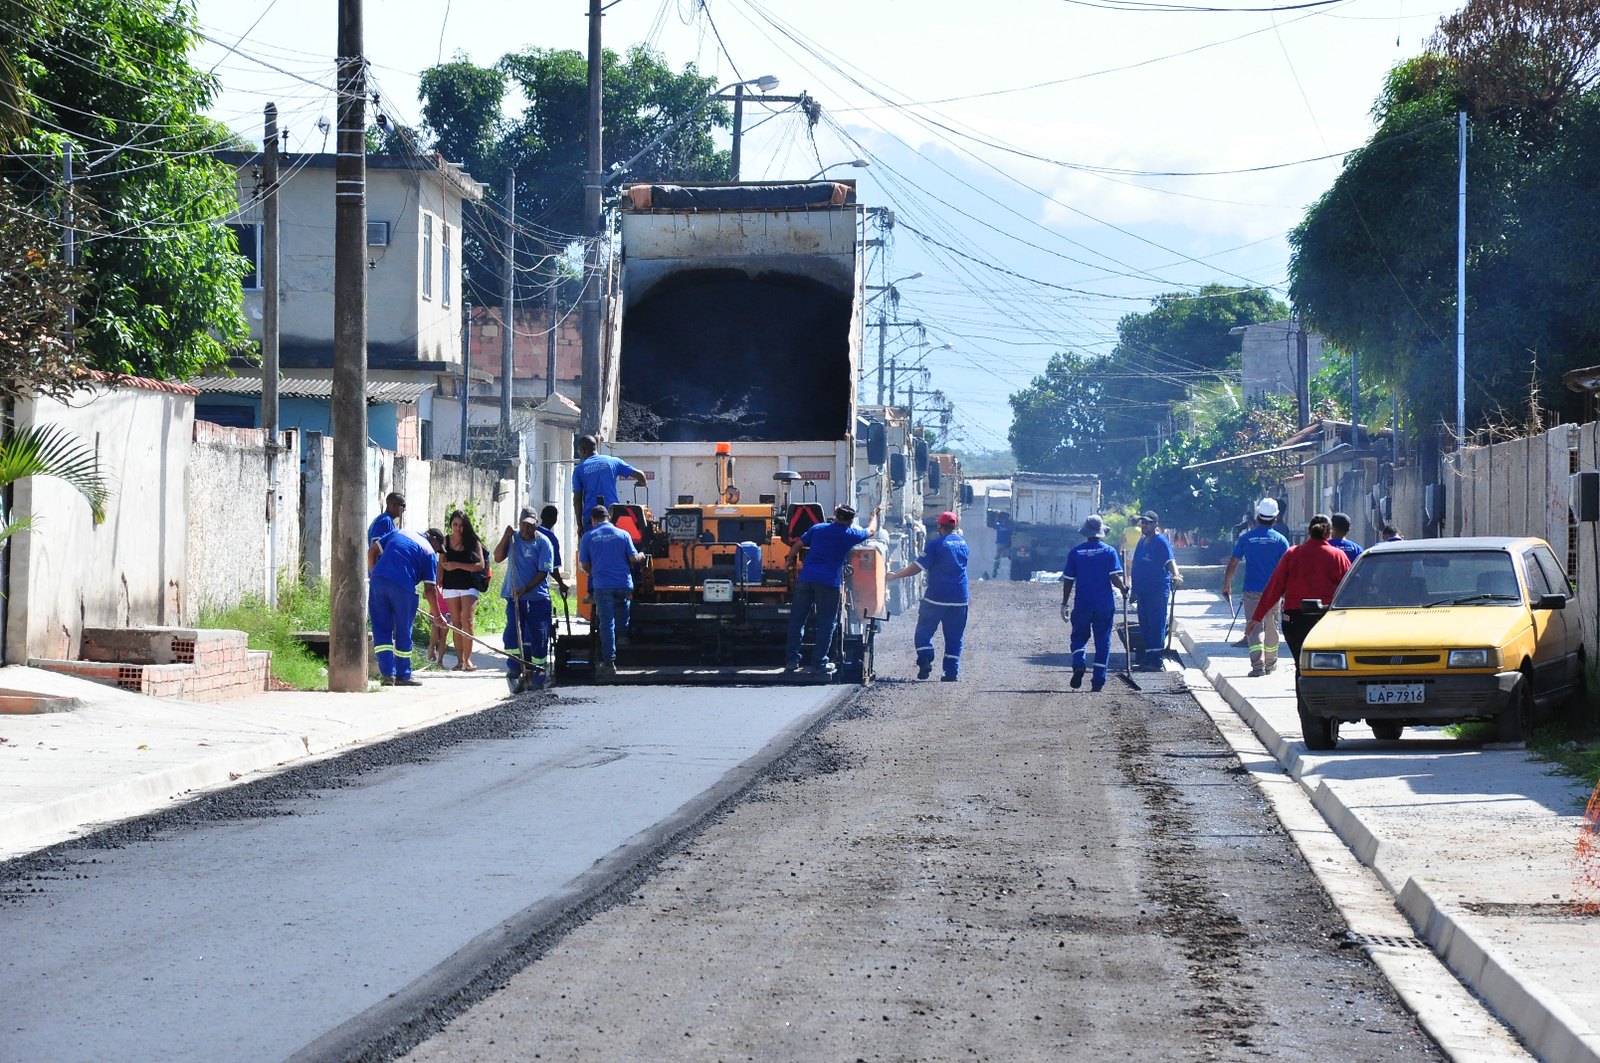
[269, 336]
[1302, 373]
[589, 418]
[347, 642]
[508, 299]
[551, 337]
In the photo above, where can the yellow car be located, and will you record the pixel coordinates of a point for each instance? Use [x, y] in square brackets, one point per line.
[1430, 631]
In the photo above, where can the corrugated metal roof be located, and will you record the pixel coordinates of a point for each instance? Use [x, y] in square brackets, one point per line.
[312, 388]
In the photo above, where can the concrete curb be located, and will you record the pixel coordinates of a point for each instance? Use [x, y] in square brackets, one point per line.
[1549, 1028]
[42, 826]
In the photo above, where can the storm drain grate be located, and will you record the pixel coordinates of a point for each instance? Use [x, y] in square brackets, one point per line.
[1349, 940]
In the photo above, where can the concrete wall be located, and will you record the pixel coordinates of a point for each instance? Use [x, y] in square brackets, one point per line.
[69, 573]
[226, 481]
[1269, 360]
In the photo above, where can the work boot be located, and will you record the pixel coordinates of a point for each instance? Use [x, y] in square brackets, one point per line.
[1095, 688]
[513, 682]
[924, 669]
[1242, 644]
[1077, 678]
[386, 680]
[947, 679]
[408, 681]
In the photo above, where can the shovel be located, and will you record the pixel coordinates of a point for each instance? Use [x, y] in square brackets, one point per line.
[1172, 615]
[1126, 674]
[1229, 636]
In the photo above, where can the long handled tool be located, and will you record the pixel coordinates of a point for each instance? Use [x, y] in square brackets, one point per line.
[1172, 614]
[1229, 636]
[1127, 648]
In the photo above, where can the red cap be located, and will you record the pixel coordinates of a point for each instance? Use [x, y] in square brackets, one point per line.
[949, 518]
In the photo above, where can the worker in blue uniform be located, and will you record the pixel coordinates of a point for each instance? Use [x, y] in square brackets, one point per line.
[1341, 537]
[1154, 569]
[394, 507]
[526, 590]
[594, 479]
[944, 599]
[396, 563]
[1092, 575]
[817, 585]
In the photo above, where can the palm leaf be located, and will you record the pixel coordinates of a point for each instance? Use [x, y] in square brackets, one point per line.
[46, 450]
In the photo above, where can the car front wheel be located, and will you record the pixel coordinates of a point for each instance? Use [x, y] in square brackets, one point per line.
[1320, 732]
[1516, 719]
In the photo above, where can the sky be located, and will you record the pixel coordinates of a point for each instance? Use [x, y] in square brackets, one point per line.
[1051, 165]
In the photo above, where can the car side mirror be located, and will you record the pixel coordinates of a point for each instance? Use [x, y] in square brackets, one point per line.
[1551, 601]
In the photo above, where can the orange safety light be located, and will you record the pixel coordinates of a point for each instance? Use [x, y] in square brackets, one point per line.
[724, 448]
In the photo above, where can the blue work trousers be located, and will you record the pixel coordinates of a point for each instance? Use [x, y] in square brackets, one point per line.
[1098, 623]
[527, 634]
[823, 600]
[930, 617]
[392, 608]
[611, 616]
[1153, 600]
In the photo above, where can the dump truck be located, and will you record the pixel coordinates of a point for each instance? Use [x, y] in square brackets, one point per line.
[733, 337]
[947, 490]
[891, 471]
[1047, 509]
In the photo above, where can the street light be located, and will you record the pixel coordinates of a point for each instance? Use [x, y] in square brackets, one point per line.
[860, 164]
[766, 83]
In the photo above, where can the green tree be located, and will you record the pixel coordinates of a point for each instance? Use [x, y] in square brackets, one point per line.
[546, 145]
[1373, 263]
[1055, 422]
[161, 293]
[36, 292]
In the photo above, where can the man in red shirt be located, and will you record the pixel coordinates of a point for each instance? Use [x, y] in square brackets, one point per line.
[1311, 570]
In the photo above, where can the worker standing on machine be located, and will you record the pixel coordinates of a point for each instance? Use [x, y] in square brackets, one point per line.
[816, 587]
[607, 554]
[594, 479]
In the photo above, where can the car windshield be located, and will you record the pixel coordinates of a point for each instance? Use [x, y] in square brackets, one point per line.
[1424, 579]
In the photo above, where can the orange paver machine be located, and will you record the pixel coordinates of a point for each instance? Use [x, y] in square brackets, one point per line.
[712, 598]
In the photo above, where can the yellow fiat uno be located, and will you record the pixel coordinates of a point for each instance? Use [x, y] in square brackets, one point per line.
[1429, 631]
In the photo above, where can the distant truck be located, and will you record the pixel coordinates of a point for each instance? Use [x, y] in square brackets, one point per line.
[947, 490]
[1047, 509]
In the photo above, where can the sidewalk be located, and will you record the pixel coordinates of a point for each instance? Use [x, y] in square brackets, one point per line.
[118, 755]
[1476, 846]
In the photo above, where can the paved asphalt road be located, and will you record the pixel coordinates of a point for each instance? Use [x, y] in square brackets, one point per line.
[250, 923]
[999, 868]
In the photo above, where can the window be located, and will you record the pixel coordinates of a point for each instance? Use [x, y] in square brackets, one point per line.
[377, 234]
[248, 237]
[444, 267]
[427, 256]
[1538, 584]
[1552, 572]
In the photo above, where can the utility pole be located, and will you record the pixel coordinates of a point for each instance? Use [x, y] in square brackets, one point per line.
[69, 236]
[550, 307]
[1302, 372]
[508, 288]
[269, 336]
[883, 331]
[589, 419]
[347, 643]
[738, 123]
[1461, 286]
[466, 374]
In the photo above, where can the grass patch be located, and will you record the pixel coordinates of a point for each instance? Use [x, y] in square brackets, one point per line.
[300, 608]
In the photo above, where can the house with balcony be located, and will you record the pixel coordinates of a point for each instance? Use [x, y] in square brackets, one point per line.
[415, 209]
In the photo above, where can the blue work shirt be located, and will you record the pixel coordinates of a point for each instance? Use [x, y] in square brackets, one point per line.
[830, 544]
[407, 559]
[1260, 548]
[555, 546]
[1090, 565]
[945, 561]
[1150, 557]
[525, 559]
[595, 477]
[1351, 550]
[609, 552]
[381, 525]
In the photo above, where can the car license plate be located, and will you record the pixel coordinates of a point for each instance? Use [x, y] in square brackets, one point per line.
[1394, 693]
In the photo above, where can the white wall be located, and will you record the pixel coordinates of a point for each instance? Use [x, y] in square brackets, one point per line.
[226, 481]
[69, 573]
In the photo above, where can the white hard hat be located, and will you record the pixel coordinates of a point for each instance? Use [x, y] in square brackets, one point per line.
[1267, 509]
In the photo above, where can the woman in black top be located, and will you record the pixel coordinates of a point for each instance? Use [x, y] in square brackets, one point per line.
[463, 558]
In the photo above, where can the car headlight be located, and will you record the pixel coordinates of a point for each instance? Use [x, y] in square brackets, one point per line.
[1474, 658]
[1326, 659]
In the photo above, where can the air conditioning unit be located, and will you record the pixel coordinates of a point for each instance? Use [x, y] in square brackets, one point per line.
[377, 234]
